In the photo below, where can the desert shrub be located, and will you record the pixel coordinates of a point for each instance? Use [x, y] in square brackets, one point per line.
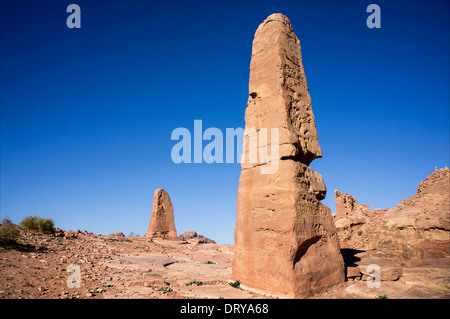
[194, 282]
[235, 284]
[8, 232]
[38, 225]
[359, 232]
[165, 289]
[381, 296]
[30, 223]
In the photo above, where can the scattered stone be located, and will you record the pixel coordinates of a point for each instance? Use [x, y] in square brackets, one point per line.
[59, 232]
[70, 234]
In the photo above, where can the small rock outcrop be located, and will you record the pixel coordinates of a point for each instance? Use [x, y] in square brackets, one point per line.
[162, 222]
[116, 234]
[356, 223]
[192, 235]
[285, 238]
[71, 233]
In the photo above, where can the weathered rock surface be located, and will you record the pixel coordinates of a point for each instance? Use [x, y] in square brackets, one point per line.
[117, 234]
[348, 207]
[418, 227]
[356, 223]
[162, 222]
[285, 238]
[400, 279]
[192, 235]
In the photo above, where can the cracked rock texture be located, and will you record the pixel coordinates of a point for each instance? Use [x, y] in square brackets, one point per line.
[285, 239]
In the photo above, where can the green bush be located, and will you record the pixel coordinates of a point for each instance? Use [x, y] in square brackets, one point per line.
[381, 296]
[196, 282]
[38, 225]
[165, 289]
[8, 232]
[235, 284]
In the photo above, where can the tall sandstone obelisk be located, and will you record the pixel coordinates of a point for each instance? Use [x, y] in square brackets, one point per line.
[285, 239]
[162, 222]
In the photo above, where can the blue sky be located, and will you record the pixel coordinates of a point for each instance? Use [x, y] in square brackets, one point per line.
[87, 114]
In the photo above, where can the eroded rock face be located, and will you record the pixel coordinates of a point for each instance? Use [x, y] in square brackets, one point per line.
[347, 206]
[418, 227]
[162, 222]
[285, 238]
[356, 223]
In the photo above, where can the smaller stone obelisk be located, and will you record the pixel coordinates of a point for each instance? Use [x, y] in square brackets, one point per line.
[162, 222]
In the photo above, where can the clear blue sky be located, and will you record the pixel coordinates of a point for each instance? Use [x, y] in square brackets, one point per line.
[87, 114]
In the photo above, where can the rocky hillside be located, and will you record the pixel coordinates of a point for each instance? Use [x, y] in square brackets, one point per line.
[418, 226]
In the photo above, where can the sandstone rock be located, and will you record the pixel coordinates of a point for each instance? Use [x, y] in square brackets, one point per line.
[386, 274]
[187, 235]
[162, 223]
[70, 234]
[353, 272]
[418, 227]
[285, 239]
[117, 234]
[347, 206]
[59, 232]
[391, 274]
[355, 223]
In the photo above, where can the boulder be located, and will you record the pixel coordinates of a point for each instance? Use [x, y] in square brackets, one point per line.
[353, 272]
[285, 238]
[391, 274]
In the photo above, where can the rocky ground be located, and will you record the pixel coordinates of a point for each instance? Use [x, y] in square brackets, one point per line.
[399, 278]
[115, 267]
[139, 267]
